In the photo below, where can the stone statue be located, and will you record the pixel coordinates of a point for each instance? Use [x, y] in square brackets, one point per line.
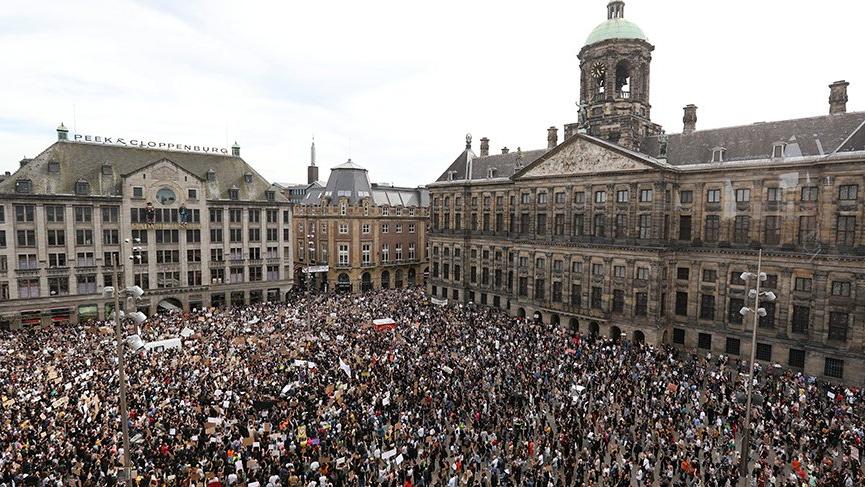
[583, 112]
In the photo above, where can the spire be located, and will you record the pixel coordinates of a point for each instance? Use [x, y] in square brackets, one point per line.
[312, 152]
[616, 9]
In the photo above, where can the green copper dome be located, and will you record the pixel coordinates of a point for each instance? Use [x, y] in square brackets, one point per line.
[616, 28]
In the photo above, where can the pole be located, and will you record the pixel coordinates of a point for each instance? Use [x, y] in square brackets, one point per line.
[746, 434]
[121, 368]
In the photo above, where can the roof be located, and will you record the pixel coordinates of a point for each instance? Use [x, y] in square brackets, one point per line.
[503, 164]
[615, 29]
[349, 165]
[83, 160]
[408, 197]
[814, 136]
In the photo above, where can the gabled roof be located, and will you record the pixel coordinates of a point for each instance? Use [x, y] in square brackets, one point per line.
[813, 136]
[83, 160]
[504, 164]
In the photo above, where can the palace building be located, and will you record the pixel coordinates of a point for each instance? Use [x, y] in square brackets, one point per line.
[623, 230]
[210, 231]
[360, 235]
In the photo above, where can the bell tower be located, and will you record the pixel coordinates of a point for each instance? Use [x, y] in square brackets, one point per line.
[614, 81]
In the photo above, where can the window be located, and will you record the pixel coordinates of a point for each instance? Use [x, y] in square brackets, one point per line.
[767, 321]
[58, 286]
[809, 193]
[233, 194]
[620, 226]
[559, 224]
[216, 255]
[704, 341]
[579, 197]
[710, 275]
[641, 304]
[193, 255]
[385, 228]
[28, 288]
[55, 213]
[643, 273]
[576, 295]
[718, 154]
[558, 266]
[800, 319]
[597, 269]
[600, 225]
[56, 260]
[83, 237]
[24, 213]
[622, 196]
[618, 300]
[541, 223]
[764, 352]
[713, 228]
[27, 238]
[685, 227]
[363, 228]
[398, 228]
[774, 195]
[834, 368]
[525, 198]
[686, 197]
[597, 297]
[215, 235]
[193, 278]
[83, 214]
[24, 186]
[342, 253]
[707, 307]
[645, 196]
[838, 322]
[772, 230]
[576, 267]
[86, 284]
[619, 271]
[736, 279]
[741, 228]
[215, 215]
[733, 346]
[539, 263]
[169, 279]
[254, 215]
[713, 196]
[110, 236]
[600, 196]
[846, 235]
[841, 288]
[542, 198]
[681, 303]
[142, 280]
[683, 273]
[796, 358]
[560, 198]
[523, 286]
[802, 284]
[578, 229]
[255, 273]
[679, 336]
[137, 193]
[807, 229]
[733, 315]
[539, 288]
[743, 195]
[848, 192]
[343, 228]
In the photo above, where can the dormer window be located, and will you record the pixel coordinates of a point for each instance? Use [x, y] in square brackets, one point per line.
[491, 172]
[234, 194]
[247, 177]
[211, 175]
[53, 167]
[269, 195]
[107, 170]
[778, 150]
[23, 186]
[719, 154]
[82, 187]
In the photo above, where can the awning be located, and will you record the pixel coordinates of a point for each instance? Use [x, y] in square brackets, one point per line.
[168, 306]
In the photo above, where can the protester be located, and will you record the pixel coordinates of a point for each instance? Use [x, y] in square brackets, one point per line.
[315, 394]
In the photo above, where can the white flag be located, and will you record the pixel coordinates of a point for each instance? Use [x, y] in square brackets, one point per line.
[345, 368]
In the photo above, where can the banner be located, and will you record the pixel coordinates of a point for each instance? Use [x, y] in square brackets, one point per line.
[439, 302]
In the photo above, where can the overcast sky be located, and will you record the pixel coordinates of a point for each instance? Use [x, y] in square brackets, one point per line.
[396, 85]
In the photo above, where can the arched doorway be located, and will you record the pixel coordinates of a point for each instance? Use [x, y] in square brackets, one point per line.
[521, 313]
[538, 316]
[169, 305]
[397, 279]
[639, 337]
[615, 333]
[385, 280]
[555, 320]
[218, 300]
[365, 282]
[594, 328]
[574, 325]
[343, 283]
[411, 277]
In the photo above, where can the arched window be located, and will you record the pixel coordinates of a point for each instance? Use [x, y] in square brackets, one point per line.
[623, 80]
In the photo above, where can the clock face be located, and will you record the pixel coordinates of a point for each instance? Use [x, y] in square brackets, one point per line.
[599, 71]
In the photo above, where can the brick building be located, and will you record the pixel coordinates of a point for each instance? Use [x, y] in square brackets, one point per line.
[624, 230]
[211, 230]
[371, 236]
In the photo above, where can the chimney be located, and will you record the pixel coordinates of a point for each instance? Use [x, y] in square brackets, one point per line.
[505, 150]
[235, 149]
[485, 146]
[62, 132]
[25, 161]
[552, 137]
[838, 97]
[690, 119]
[312, 169]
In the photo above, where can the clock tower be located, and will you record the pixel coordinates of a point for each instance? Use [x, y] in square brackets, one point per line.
[614, 82]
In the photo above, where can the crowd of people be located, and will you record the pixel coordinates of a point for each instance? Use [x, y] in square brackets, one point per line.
[313, 393]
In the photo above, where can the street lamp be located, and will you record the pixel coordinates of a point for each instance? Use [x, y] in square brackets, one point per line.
[758, 313]
[132, 294]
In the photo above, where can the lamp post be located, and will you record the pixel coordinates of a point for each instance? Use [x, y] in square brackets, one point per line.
[758, 313]
[132, 293]
[310, 241]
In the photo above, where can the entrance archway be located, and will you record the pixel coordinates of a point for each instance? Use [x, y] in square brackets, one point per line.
[365, 282]
[555, 320]
[615, 333]
[538, 316]
[574, 324]
[594, 328]
[639, 337]
[385, 280]
[397, 279]
[169, 305]
[411, 277]
[343, 283]
[521, 313]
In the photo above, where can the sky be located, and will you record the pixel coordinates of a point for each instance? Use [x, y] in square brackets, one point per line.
[395, 85]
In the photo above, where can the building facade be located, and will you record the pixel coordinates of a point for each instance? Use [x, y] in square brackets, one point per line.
[210, 231]
[624, 230]
[370, 236]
